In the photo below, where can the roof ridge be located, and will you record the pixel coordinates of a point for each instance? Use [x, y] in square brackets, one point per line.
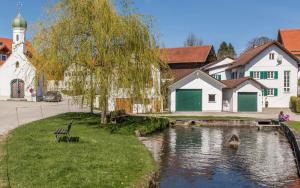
[188, 47]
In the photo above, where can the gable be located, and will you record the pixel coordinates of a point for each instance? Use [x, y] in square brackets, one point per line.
[197, 79]
[262, 60]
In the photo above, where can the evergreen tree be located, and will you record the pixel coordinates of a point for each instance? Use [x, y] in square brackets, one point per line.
[226, 50]
[231, 50]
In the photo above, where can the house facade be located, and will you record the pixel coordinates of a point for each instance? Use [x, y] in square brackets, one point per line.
[273, 66]
[17, 74]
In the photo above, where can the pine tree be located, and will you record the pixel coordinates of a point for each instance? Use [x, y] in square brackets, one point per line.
[231, 51]
[223, 50]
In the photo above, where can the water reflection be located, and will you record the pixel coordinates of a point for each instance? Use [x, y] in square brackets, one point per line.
[199, 157]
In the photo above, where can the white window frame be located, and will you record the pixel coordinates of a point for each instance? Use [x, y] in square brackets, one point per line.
[271, 75]
[271, 92]
[209, 98]
[287, 82]
[271, 56]
[256, 74]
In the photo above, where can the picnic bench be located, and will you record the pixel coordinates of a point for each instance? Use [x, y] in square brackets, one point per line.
[63, 132]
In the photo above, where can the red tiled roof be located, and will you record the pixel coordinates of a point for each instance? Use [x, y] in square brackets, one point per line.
[7, 42]
[195, 54]
[2, 62]
[236, 82]
[180, 73]
[252, 53]
[290, 39]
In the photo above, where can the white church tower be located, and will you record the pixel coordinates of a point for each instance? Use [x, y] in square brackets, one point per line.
[19, 34]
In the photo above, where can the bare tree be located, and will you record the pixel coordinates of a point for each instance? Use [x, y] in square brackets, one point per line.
[193, 40]
[257, 41]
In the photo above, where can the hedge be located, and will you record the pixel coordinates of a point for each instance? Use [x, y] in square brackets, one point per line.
[295, 104]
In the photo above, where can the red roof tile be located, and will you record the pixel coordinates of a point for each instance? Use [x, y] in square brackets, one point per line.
[195, 54]
[236, 82]
[252, 53]
[290, 39]
[180, 73]
[7, 42]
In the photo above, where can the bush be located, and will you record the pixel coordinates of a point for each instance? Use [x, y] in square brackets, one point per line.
[295, 104]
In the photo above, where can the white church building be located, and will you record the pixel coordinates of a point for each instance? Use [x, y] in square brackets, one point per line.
[17, 74]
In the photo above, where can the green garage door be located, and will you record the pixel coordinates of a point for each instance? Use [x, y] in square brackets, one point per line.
[188, 100]
[247, 102]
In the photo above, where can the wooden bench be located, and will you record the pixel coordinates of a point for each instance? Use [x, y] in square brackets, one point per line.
[63, 132]
[118, 116]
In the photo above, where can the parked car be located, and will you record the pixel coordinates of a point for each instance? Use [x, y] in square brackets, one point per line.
[53, 96]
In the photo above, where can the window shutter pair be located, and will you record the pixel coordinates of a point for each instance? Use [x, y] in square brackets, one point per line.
[265, 92]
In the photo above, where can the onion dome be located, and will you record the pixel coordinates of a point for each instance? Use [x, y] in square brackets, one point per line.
[20, 22]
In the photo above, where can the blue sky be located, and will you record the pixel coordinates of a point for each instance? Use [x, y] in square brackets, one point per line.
[235, 21]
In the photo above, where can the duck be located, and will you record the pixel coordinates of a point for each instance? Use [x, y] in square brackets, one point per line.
[234, 142]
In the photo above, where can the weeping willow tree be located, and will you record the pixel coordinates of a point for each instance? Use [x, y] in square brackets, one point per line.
[113, 52]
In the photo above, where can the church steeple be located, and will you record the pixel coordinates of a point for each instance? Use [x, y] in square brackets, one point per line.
[19, 25]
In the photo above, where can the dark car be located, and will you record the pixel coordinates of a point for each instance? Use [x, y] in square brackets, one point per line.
[53, 96]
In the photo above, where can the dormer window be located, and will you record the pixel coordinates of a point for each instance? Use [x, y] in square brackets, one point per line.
[271, 56]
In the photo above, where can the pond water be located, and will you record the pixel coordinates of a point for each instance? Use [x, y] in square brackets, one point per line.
[199, 157]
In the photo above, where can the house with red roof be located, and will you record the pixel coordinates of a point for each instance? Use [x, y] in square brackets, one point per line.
[290, 39]
[263, 77]
[183, 61]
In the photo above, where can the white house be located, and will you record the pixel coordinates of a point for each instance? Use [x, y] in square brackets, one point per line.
[200, 92]
[242, 95]
[197, 91]
[218, 68]
[273, 66]
[16, 72]
[118, 99]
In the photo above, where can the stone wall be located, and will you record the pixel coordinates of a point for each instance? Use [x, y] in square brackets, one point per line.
[294, 140]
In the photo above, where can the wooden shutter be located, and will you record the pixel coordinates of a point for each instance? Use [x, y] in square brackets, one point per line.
[262, 75]
[265, 92]
[251, 74]
[276, 74]
[275, 92]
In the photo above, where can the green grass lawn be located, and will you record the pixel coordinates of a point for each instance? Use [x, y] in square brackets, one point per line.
[99, 159]
[295, 125]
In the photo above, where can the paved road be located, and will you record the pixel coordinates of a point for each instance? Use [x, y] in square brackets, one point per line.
[14, 114]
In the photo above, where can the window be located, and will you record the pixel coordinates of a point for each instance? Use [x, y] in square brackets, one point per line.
[1, 43]
[17, 64]
[234, 75]
[270, 92]
[211, 98]
[3, 57]
[241, 74]
[256, 75]
[271, 56]
[17, 37]
[270, 75]
[216, 76]
[286, 86]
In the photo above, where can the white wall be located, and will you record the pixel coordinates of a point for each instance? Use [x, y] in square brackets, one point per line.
[262, 63]
[216, 69]
[247, 86]
[208, 86]
[9, 72]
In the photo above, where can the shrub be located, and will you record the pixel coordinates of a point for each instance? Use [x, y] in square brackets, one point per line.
[295, 104]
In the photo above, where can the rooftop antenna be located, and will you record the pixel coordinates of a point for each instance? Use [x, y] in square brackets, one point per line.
[19, 6]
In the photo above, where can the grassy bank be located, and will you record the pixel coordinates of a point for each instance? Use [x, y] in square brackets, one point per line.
[295, 125]
[99, 159]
